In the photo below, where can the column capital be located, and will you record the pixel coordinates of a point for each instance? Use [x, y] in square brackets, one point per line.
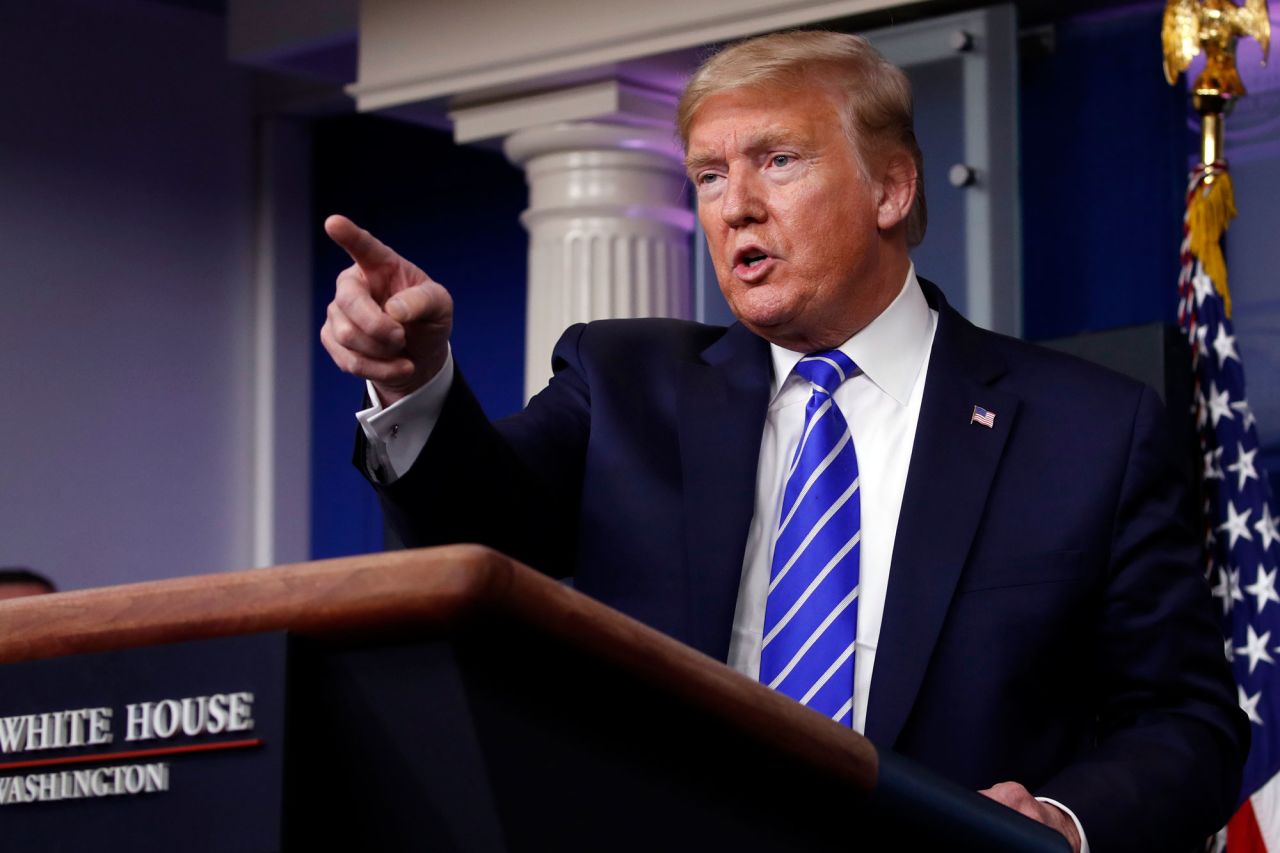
[609, 101]
[525, 145]
[633, 176]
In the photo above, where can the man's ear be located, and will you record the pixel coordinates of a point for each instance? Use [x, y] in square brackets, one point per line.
[897, 190]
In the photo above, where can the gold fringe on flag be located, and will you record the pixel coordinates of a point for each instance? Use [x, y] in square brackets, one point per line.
[1210, 210]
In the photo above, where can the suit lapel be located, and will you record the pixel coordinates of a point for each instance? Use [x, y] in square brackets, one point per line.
[953, 463]
[722, 405]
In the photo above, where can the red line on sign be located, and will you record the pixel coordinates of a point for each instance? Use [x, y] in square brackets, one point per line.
[102, 757]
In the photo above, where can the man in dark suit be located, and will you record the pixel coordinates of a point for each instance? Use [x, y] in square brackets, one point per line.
[1029, 619]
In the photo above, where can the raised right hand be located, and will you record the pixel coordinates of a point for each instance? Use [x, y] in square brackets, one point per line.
[389, 322]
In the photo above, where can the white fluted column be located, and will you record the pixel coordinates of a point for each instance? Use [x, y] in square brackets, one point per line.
[609, 230]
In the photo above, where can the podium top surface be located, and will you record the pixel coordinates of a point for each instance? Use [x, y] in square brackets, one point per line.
[414, 594]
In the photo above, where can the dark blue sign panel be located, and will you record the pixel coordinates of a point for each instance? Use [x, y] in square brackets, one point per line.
[176, 747]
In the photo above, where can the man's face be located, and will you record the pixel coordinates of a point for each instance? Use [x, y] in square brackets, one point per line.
[791, 221]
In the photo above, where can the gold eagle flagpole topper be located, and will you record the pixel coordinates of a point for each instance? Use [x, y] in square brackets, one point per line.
[1212, 26]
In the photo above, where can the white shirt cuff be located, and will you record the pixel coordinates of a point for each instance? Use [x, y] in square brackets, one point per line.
[397, 433]
[1084, 842]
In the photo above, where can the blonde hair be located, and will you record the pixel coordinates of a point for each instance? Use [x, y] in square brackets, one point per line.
[876, 95]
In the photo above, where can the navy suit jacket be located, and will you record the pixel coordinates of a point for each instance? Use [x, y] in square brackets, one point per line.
[1045, 621]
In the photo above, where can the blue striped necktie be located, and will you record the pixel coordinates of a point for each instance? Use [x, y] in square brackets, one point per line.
[811, 614]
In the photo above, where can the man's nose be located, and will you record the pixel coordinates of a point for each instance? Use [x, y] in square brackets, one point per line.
[743, 201]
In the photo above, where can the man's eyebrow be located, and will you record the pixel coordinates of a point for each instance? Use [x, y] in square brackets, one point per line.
[698, 162]
[770, 139]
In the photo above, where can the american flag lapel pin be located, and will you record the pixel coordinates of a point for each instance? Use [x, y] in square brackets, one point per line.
[982, 416]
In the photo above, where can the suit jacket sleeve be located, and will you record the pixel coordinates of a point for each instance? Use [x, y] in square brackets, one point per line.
[512, 485]
[1170, 741]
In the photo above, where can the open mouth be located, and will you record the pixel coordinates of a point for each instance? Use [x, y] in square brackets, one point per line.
[750, 257]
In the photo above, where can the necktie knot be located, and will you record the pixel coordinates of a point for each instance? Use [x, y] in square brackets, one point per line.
[826, 369]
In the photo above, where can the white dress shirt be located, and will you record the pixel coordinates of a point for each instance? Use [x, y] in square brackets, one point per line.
[397, 433]
[881, 405]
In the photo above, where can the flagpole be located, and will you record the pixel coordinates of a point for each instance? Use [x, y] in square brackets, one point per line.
[1241, 538]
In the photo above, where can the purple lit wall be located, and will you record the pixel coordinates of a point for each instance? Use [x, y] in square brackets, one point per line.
[125, 240]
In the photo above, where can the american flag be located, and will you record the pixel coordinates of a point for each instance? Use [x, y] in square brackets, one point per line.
[982, 416]
[1240, 521]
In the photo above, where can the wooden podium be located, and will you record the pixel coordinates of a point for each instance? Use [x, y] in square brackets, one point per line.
[442, 699]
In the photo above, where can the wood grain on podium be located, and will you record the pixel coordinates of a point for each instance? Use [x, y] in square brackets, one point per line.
[421, 593]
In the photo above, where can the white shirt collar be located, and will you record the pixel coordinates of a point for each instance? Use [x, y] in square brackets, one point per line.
[890, 349]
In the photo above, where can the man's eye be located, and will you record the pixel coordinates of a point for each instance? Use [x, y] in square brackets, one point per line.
[707, 178]
[780, 160]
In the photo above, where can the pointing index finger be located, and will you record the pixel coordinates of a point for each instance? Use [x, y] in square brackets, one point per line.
[364, 248]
